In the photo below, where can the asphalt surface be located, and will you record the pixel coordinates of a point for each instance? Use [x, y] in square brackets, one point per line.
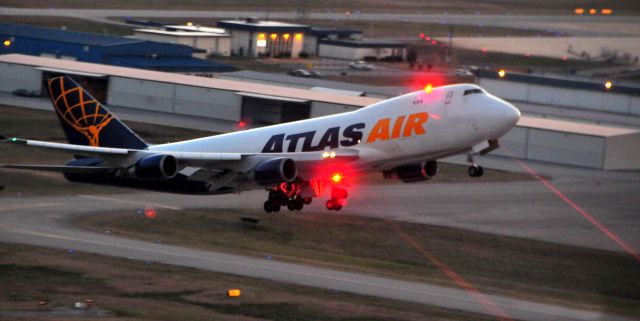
[566, 24]
[44, 221]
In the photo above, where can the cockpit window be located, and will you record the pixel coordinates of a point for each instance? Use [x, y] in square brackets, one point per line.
[472, 91]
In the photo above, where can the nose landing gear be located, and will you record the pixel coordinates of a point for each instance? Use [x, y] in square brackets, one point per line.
[475, 170]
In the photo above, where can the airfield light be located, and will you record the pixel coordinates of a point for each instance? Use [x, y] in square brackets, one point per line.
[233, 293]
[7, 43]
[593, 11]
[606, 11]
[422, 36]
[433, 42]
[286, 37]
[189, 23]
[274, 36]
[579, 11]
[15, 139]
[428, 88]
[298, 36]
[262, 36]
[502, 73]
[336, 178]
[608, 85]
[150, 213]
[484, 50]
[427, 38]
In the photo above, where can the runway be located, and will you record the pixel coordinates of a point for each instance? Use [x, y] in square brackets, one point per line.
[44, 221]
[522, 209]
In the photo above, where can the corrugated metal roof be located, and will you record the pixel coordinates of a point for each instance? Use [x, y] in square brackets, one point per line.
[179, 33]
[49, 34]
[213, 83]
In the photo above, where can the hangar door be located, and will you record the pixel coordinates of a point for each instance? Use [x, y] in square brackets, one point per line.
[267, 110]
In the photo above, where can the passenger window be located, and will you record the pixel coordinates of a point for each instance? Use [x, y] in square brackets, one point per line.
[472, 91]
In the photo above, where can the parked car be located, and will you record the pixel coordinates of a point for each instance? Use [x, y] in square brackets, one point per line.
[25, 93]
[315, 74]
[300, 73]
[360, 65]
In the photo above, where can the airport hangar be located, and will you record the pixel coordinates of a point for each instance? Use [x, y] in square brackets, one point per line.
[223, 103]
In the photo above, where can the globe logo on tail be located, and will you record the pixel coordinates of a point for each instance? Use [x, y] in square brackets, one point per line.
[79, 110]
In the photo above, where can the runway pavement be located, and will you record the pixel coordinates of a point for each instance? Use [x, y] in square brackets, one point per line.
[523, 209]
[44, 221]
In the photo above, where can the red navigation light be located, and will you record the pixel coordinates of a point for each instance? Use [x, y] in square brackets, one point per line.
[336, 178]
[150, 213]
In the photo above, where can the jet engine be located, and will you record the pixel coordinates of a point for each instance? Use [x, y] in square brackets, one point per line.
[156, 167]
[413, 172]
[276, 170]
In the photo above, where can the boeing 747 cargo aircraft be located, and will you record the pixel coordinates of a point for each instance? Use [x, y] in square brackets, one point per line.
[402, 138]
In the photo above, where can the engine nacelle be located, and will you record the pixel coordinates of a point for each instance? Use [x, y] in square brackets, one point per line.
[276, 170]
[414, 172]
[156, 167]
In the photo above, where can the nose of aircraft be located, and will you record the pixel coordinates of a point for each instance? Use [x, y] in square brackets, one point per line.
[511, 114]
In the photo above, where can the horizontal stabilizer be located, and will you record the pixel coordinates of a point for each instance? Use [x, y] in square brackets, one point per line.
[89, 170]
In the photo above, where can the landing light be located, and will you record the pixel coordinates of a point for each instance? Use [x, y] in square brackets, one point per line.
[428, 89]
[233, 293]
[336, 178]
[608, 85]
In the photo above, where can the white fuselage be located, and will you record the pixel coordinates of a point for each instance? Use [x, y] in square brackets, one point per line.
[415, 127]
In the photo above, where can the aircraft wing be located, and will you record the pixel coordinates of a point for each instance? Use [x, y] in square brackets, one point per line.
[205, 160]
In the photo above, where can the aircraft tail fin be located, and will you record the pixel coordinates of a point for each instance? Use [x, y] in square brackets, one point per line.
[85, 120]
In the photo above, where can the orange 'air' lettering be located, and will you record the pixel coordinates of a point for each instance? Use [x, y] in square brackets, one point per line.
[397, 127]
[380, 131]
[415, 124]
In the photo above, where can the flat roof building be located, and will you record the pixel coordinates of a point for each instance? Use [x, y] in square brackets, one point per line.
[209, 43]
[89, 47]
[261, 38]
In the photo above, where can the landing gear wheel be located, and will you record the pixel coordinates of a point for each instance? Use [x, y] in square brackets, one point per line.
[476, 171]
[330, 205]
[268, 206]
[275, 207]
[337, 206]
[307, 200]
[291, 205]
[299, 203]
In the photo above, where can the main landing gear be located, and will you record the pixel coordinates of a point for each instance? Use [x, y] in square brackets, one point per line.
[475, 170]
[287, 195]
[338, 198]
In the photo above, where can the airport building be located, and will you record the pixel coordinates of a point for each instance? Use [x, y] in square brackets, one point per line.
[88, 47]
[220, 104]
[262, 38]
[206, 43]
